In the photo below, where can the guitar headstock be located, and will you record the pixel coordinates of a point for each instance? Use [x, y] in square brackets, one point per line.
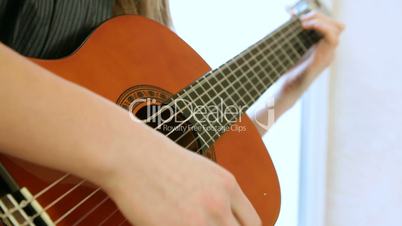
[305, 6]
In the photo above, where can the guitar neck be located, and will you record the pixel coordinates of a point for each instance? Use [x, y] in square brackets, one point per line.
[238, 83]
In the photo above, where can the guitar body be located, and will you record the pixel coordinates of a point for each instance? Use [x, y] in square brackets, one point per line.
[127, 52]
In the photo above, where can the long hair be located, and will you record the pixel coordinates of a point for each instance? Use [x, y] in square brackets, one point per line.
[157, 10]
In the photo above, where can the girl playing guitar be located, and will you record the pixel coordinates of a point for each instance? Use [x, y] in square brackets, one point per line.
[76, 127]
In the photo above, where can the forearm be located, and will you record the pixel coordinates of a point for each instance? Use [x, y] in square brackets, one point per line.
[52, 122]
[290, 88]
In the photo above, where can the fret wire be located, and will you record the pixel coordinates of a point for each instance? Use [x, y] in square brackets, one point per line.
[232, 89]
[279, 61]
[265, 65]
[222, 89]
[223, 104]
[302, 42]
[202, 93]
[281, 49]
[261, 82]
[229, 96]
[301, 45]
[264, 68]
[214, 99]
[292, 48]
[254, 84]
[289, 49]
[248, 85]
[223, 92]
[191, 92]
[250, 96]
[305, 43]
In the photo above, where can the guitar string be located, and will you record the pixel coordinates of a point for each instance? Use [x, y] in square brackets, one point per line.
[108, 217]
[124, 221]
[212, 100]
[76, 206]
[91, 211]
[48, 188]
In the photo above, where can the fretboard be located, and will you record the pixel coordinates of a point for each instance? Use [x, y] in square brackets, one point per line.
[237, 84]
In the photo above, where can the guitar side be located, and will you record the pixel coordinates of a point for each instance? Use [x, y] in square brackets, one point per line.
[130, 51]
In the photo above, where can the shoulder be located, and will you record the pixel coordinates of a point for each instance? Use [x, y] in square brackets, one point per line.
[50, 28]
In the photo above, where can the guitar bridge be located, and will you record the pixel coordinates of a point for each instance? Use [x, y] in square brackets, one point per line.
[20, 208]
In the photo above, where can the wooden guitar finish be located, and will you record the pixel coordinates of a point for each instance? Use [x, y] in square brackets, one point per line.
[131, 51]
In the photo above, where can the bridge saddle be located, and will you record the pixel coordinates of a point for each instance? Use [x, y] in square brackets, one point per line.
[20, 208]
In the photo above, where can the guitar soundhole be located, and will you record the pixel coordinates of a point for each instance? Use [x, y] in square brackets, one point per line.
[145, 101]
[171, 126]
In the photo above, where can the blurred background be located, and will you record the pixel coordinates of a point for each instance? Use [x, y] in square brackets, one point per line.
[338, 152]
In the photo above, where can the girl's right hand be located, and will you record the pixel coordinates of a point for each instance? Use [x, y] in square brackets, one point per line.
[174, 187]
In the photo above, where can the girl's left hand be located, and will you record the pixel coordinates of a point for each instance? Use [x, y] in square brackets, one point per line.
[324, 52]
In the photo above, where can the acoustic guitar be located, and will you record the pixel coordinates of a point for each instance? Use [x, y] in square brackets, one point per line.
[148, 70]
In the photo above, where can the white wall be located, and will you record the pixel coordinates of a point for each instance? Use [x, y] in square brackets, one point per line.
[365, 137]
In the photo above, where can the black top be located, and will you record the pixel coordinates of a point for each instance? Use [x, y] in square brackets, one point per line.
[50, 28]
